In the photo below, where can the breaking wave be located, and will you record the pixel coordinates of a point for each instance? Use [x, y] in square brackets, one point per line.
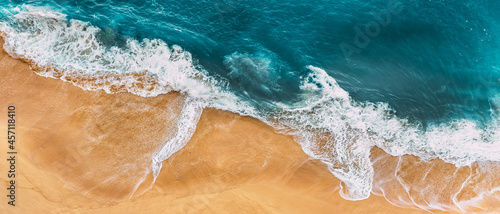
[326, 121]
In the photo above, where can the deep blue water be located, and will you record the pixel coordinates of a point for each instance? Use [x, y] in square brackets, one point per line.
[433, 61]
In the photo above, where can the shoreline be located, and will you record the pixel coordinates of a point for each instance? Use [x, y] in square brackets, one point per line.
[83, 151]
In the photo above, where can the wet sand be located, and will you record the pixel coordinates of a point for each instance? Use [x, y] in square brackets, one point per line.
[90, 152]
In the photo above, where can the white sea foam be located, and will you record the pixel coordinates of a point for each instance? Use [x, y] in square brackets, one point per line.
[328, 124]
[186, 125]
[47, 38]
[340, 131]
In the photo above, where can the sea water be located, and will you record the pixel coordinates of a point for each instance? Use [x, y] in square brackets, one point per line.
[410, 77]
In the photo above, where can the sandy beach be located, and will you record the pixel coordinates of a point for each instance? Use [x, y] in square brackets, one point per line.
[90, 152]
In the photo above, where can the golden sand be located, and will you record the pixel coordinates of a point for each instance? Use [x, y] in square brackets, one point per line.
[90, 152]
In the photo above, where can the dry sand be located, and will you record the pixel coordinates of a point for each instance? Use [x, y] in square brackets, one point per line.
[90, 152]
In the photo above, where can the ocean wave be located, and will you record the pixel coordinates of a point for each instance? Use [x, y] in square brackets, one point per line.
[45, 37]
[327, 122]
[332, 127]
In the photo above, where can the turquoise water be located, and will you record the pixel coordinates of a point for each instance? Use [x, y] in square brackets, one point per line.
[433, 61]
[411, 77]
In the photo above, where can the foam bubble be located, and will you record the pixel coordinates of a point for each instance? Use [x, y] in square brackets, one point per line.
[47, 38]
[71, 51]
[327, 123]
[332, 127]
[186, 125]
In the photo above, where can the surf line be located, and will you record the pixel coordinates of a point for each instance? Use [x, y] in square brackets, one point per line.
[11, 154]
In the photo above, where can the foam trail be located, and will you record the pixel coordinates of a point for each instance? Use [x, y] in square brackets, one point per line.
[328, 123]
[339, 131]
[44, 36]
[322, 128]
[186, 126]
[70, 50]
